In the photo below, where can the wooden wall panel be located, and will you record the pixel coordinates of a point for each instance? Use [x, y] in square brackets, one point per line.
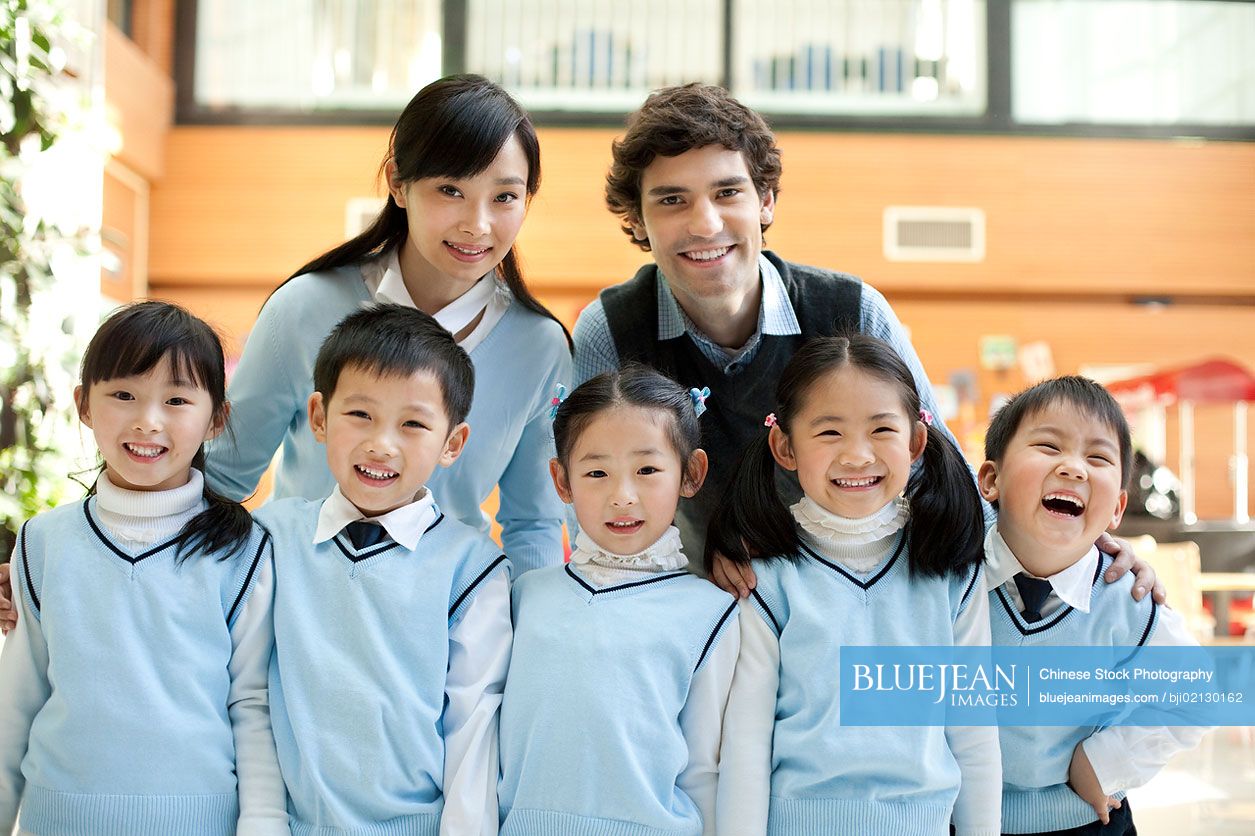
[1065, 216]
[139, 99]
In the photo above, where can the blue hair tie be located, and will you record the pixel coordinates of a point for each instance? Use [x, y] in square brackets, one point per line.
[699, 396]
[558, 397]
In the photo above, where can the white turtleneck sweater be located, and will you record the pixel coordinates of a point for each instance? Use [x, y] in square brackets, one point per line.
[702, 718]
[859, 545]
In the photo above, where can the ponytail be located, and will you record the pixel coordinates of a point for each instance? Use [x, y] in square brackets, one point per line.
[223, 528]
[947, 520]
[751, 520]
[512, 274]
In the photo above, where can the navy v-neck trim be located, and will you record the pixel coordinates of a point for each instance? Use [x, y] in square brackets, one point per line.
[867, 584]
[248, 578]
[113, 547]
[488, 570]
[622, 586]
[1017, 618]
[357, 556]
[26, 568]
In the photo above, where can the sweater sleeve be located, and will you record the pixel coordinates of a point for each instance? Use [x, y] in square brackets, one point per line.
[978, 809]
[263, 798]
[531, 513]
[701, 721]
[748, 724]
[1128, 756]
[24, 672]
[479, 656]
[265, 398]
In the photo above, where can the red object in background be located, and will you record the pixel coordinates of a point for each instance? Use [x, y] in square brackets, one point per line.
[1212, 381]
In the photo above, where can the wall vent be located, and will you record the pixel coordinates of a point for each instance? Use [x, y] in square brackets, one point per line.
[934, 233]
[359, 213]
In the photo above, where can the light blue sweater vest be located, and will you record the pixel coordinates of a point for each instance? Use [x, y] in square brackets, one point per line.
[134, 738]
[511, 441]
[829, 778]
[590, 738]
[357, 684]
[1035, 759]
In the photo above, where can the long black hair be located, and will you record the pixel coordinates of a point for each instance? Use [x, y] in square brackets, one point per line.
[633, 385]
[947, 522]
[133, 341]
[453, 127]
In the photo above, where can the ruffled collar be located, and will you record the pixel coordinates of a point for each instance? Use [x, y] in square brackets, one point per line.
[825, 527]
[665, 555]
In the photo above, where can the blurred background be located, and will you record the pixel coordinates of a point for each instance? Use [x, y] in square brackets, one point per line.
[1039, 187]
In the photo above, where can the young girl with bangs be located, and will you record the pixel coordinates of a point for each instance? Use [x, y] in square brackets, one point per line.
[871, 555]
[463, 162]
[611, 718]
[134, 698]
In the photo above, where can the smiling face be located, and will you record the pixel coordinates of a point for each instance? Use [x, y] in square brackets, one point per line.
[703, 219]
[385, 436]
[461, 228]
[148, 427]
[1057, 487]
[625, 478]
[851, 443]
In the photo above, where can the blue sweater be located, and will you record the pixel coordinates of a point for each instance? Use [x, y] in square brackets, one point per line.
[829, 778]
[134, 736]
[591, 743]
[516, 367]
[1035, 759]
[357, 685]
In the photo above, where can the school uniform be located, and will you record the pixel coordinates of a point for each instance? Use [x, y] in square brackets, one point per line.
[787, 765]
[1081, 609]
[519, 357]
[135, 681]
[613, 710]
[390, 657]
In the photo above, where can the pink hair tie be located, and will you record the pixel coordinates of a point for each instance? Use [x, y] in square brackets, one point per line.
[770, 420]
[926, 417]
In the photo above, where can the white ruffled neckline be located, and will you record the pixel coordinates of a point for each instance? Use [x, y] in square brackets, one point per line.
[825, 527]
[665, 555]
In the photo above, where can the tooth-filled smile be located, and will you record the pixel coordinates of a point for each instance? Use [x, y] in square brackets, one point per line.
[1063, 505]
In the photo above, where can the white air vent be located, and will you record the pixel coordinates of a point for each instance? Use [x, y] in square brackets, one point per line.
[359, 213]
[934, 233]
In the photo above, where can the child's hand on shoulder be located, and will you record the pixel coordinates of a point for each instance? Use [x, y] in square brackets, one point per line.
[1084, 782]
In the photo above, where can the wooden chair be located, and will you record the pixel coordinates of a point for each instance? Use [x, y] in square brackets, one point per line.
[1178, 566]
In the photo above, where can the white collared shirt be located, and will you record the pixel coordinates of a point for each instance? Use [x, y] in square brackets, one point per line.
[386, 285]
[1070, 587]
[406, 525]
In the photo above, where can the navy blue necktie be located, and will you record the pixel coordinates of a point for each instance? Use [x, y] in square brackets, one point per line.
[1033, 592]
[364, 534]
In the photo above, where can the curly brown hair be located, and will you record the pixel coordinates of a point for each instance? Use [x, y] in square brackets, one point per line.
[678, 119]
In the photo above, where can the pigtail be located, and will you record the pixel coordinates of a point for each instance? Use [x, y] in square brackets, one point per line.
[947, 520]
[751, 519]
[223, 528]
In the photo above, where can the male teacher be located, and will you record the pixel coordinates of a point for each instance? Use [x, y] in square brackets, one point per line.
[694, 181]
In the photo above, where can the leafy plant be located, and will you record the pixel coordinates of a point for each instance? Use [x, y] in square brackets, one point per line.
[39, 103]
